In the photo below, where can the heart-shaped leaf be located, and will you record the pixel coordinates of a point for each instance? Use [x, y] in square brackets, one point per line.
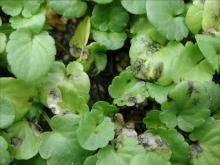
[167, 17]
[61, 145]
[134, 7]
[95, 130]
[30, 56]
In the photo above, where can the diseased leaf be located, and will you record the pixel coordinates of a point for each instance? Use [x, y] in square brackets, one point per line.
[187, 106]
[207, 149]
[25, 139]
[127, 90]
[30, 56]
[128, 148]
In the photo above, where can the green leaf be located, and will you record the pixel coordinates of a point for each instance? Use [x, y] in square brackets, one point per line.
[91, 160]
[106, 17]
[127, 90]
[152, 119]
[26, 7]
[194, 16]
[7, 112]
[81, 36]
[69, 8]
[34, 23]
[3, 40]
[30, 56]
[18, 93]
[5, 156]
[177, 144]
[134, 6]
[60, 146]
[186, 106]
[191, 65]
[150, 158]
[214, 94]
[207, 149]
[209, 46]
[112, 41]
[102, 1]
[158, 92]
[211, 17]
[25, 139]
[95, 130]
[128, 148]
[167, 17]
[105, 108]
[37, 160]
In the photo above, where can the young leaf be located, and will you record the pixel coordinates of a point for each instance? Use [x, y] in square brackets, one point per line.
[34, 23]
[95, 130]
[134, 7]
[127, 90]
[209, 46]
[69, 8]
[106, 17]
[81, 36]
[207, 150]
[186, 106]
[194, 16]
[91, 160]
[24, 139]
[30, 56]
[60, 146]
[7, 112]
[167, 17]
